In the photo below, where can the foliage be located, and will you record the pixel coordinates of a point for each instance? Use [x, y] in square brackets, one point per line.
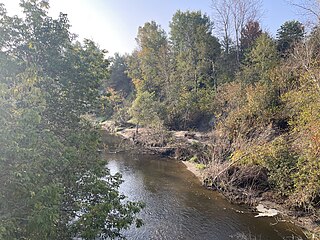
[276, 156]
[264, 112]
[200, 166]
[227, 66]
[315, 42]
[289, 102]
[113, 104]
[144, 109]
[231, 17]
[117, 91]
[195, 48]
[119, 80]
[260, 60]
[181, 76]
[305, 120]
[289, 34]
[149, 65]
[54, 182]
[249, 34]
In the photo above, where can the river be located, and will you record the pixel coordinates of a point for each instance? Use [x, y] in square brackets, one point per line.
[178, 207]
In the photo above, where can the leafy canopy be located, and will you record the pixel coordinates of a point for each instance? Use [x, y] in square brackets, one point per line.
[54, 181]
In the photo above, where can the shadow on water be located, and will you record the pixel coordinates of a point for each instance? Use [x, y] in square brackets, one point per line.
[178, 207]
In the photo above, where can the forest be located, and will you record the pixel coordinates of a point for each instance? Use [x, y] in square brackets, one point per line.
[255, 96]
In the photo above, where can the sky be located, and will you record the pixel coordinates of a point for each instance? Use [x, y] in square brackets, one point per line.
[113, 24]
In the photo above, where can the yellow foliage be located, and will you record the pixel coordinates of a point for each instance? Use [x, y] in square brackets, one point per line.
[137, 83]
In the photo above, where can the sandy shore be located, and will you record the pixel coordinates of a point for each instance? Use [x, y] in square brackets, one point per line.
[192, 168]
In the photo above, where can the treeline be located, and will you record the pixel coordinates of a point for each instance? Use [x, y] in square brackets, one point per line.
[259, 96]
[54, 184]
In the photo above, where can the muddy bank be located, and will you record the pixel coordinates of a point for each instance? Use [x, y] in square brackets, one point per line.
[181, 145]
[239, 184]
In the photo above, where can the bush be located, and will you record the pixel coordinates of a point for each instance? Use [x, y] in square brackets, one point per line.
[200, 166]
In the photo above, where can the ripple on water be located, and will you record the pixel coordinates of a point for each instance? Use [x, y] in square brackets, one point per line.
[178, 207]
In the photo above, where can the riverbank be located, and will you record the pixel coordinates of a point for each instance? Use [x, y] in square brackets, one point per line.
[310, 227]
[194, 149]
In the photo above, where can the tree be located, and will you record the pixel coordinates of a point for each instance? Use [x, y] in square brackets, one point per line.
[195, 49]
[233, 15]
[150, 69]
[309, 7]
[54, 182]
[145, 109]
[249, 34]
[289, 34]
[242, 11]
[260, 60]
[119, 79]
[150, 65]
[222, 16]
[195, 52]
[171, 73]
[227, 66]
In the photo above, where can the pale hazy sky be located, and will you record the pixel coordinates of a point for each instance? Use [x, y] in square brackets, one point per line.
[113, 24]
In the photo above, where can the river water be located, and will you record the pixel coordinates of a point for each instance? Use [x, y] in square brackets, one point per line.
[178, 207]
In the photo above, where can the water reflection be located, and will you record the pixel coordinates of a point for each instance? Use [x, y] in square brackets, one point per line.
[178, 207]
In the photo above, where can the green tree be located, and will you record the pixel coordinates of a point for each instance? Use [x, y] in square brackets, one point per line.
[260, 60]
[194, 54]
[119, 79]
[195, 49]
[118, 90]
[227, 66]
[144, 110]
[289, 34]
[149, 66]
[55, 184]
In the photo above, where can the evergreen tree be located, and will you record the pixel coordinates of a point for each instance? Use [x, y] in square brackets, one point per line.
[289, 34]
[260, 60]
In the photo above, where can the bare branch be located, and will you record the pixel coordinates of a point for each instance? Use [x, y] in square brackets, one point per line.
[232, 15]
[222, 11]
[310, 7]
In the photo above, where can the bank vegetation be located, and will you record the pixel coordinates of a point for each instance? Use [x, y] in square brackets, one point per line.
[254, 98]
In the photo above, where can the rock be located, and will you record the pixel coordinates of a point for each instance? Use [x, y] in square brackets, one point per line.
[266, 212]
